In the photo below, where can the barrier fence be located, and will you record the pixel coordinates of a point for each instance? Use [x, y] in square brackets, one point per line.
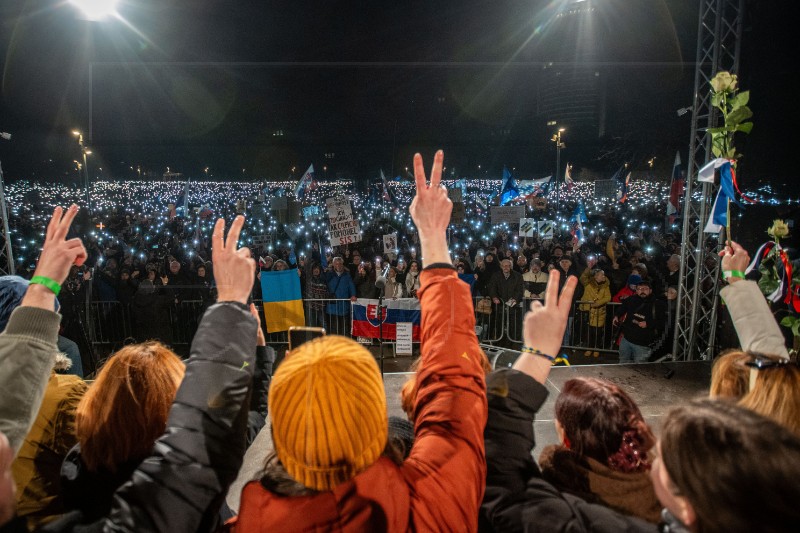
[111, 324]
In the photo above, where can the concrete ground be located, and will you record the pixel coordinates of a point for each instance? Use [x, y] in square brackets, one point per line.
[655, 387]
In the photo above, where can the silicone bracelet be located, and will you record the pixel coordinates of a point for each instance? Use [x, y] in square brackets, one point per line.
[733, 274]
[51, 284]
[534, 351]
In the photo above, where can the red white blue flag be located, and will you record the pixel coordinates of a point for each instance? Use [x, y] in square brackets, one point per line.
[367, 320]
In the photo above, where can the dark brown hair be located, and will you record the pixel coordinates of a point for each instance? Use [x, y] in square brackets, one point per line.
[125, 410]
[737, 469]
[602, 422]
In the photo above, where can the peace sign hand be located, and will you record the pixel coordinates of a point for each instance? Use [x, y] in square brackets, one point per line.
[58, 253]
[234, 269]
[431, 210]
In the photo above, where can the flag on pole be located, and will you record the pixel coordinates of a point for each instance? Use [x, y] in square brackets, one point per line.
[676, 190]
[579, 213]
[539, 187]
[568, 177]
[283, 303]
[622, 183]
[387, 193]
[183, 198]
[305, 183]
[727, 193]
[509, 190]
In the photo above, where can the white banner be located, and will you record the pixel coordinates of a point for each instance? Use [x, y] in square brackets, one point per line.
[343, 226]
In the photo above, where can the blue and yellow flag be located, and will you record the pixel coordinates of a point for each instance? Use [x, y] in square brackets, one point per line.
[283, 303]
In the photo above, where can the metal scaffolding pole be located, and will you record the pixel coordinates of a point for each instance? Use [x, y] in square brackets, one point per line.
[719, 39]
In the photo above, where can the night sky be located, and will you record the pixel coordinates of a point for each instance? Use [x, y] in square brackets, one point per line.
[252, 89]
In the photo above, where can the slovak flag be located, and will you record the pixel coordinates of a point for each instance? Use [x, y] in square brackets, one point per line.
[306, 183]
[366, 322]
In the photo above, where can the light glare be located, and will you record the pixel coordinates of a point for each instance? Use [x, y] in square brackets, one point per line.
[96, 9]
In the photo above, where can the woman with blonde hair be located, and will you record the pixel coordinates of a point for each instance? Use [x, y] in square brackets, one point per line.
[117, 421]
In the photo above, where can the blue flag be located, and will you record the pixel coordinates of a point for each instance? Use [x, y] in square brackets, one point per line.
[579, 214]
[509, 190]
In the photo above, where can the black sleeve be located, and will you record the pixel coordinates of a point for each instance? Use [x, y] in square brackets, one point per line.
[181, 486]
[262, 377]
[514, 398]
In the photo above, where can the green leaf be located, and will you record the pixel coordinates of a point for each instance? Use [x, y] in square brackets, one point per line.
[716, 98]
[745, 127]
[788, 321]
[796, 329]
[717, 151]
[732, 153]
[740, 99]
[739, 115]
[716, 131]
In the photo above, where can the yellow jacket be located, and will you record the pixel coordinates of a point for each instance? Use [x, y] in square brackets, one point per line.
[596, 296]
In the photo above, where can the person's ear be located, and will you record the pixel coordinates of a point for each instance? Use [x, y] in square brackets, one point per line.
[686, 513]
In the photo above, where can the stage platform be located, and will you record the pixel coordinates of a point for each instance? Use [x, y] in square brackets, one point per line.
[655, 387]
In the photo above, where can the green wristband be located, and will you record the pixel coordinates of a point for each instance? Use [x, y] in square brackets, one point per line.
[51, 284]
[733, 274]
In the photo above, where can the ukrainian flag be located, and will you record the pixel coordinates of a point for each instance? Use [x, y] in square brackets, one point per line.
[283, 303]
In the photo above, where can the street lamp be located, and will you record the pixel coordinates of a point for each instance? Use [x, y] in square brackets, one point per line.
[559, 145]
[84, 152]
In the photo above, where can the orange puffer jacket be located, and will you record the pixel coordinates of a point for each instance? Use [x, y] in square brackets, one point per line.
[440, 486]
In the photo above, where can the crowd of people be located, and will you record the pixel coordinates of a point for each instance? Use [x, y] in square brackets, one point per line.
[158, 444]
[149, 250]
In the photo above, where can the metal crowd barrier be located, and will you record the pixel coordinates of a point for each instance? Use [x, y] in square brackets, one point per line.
[112, 324]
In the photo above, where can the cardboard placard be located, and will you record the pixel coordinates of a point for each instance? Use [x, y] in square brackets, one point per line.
[527, 227]
[509, 214]
[343, 226]
[390, 243]
[546, 229]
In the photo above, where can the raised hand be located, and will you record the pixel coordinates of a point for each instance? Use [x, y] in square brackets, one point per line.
[260, 339]
[58, 256]
[734, 257]
[544, 325]
[234, 269]
[58, 253]
[431, 210]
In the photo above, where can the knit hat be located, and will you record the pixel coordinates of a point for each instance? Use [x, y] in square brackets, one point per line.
[328, 409]
[634, 279]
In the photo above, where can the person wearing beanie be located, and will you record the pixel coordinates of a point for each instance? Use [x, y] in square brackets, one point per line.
[629, 289]
[335, 467]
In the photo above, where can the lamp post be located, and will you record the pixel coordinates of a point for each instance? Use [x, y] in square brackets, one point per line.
[84, 152]
[559, 145]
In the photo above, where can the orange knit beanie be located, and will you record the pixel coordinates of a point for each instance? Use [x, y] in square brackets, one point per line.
[328, 409]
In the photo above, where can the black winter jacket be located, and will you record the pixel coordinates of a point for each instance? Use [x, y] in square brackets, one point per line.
[182, 485]
[517, 498]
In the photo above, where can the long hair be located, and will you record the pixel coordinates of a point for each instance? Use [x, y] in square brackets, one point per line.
[601, 421]
[736, 468]
[776, 395]
[125, 410]
[729, 376]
